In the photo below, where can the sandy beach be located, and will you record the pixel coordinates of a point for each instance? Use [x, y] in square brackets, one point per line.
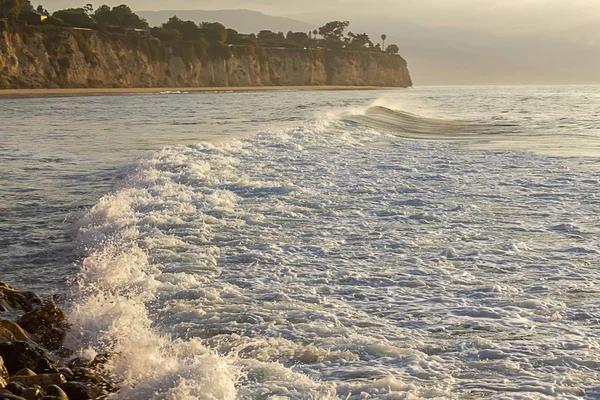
[125, 91]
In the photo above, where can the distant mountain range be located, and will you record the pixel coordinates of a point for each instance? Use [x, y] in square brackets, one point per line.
[243, 21]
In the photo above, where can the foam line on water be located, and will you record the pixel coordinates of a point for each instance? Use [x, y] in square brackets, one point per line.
[118, 282]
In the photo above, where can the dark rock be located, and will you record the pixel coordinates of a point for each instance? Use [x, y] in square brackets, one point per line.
[43, 380]
[56, 393]
[19, 355]
[24, 372]
[44, 366]
[11, 397]
[47, 322]
[63, 352]
[15, 388]
[88, 375]
[32, 394]
[11, 298]
[69, 375]
[79, 362]
[9, 332]
[81, 391]
[100, 361]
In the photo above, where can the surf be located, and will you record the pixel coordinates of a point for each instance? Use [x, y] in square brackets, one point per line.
[407, 125]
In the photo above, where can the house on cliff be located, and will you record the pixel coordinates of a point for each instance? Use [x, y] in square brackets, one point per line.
[141, 32]
[30, 16]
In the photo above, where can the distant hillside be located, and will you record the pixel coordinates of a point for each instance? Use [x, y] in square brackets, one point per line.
[243, 21]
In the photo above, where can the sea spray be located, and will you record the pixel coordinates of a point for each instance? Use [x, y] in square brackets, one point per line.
[117, 283]
[338, 259]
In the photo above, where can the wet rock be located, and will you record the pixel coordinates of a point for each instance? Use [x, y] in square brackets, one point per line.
[69, 375]
[11, 397]
[3, 383]
[100, 361]
[89, 375]
[32, 394]
[11, 298]
[44, 366]
[15, 388]
[25, 372]
[3, 371]
[47, 322]
[81, 391]
[9, 332]
[42, 380]
[56, 393]
[19, 355]
[79, 362]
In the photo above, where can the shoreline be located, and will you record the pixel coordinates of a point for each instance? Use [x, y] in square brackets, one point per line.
[33, 361]
[68, 92]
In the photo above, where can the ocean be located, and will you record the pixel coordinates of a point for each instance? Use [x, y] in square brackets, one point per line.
[436, 242]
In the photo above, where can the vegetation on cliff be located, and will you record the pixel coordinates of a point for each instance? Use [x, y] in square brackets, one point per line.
[121, 19]
[87, 47]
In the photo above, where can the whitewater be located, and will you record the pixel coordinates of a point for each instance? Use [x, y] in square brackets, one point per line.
[438, 243]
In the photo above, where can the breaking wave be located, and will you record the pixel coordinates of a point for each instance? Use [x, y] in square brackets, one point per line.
[307, 263]
[408, 125]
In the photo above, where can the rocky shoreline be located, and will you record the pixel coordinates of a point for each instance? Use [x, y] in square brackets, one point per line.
[34, 365]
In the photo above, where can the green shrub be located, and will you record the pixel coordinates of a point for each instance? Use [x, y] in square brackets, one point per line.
[165, 34]
[185, 50]
[155, 51]
[219, 50]
[54, 21]
[10, 10]
[4, 25]
[75, 17]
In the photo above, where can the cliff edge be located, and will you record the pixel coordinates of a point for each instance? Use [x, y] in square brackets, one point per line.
[69, 58]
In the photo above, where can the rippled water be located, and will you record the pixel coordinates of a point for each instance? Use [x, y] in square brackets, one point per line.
[426, 243]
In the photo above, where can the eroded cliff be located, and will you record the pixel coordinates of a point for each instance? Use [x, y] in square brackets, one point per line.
[74, 58]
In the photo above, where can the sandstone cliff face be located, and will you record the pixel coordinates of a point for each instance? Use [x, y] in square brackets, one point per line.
[66, 58]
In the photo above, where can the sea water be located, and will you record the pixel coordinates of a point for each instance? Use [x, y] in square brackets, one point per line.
[398, 244]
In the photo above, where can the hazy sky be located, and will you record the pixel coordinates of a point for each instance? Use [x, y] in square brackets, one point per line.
[499, 16]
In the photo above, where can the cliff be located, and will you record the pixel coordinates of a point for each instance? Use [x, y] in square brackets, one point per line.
[58, 57]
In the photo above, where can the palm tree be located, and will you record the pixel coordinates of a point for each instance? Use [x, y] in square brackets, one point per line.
[383, 37]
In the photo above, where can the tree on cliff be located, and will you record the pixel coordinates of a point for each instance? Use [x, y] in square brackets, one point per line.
[333, 31]
[120, 16]
[359, 41]
[10, 9]
[392, 49]
[214, 31]
[188, 30]
[383, 37]
[40, 8]
[297, 37]
[75, 17]
[177, 29]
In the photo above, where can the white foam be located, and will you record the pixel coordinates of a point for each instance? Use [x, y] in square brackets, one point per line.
[332, 261]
